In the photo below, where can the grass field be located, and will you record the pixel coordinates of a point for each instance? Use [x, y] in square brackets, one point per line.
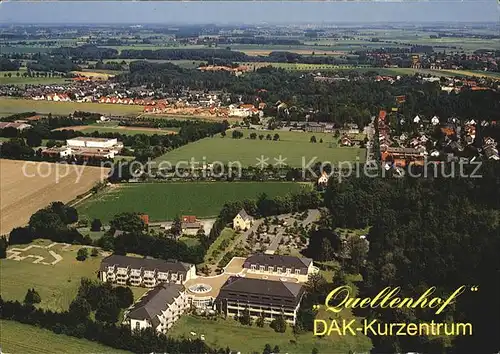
[121, 129]
[246, 339]
[22, 338]
[19, 80]
[11, 106]
[294, 146]
[57, 284]
[29, 186]
[163, 201]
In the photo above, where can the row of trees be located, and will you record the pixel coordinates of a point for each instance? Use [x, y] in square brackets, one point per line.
[53, 223]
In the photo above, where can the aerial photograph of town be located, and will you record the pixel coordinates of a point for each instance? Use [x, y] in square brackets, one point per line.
[246, 177]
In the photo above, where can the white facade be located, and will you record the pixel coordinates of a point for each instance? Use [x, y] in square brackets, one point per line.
[92, 142]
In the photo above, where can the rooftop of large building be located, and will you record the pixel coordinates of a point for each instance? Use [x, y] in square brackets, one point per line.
[155, 301]
[144, 263]
[278, 261]
[263, 287]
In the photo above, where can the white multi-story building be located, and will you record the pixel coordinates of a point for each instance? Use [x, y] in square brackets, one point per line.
[282, 266]
[159, 308]
[98, 143]
[145, 272]
[261, 298]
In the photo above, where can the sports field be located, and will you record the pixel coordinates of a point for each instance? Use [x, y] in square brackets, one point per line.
[163, 201]
[120, 129]
[11, 106]
[22, 338]
[28, 186]
[295, 147]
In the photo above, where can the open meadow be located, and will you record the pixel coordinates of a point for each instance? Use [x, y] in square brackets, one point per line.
[57, 281]
[108, 128]
[12, 105]
[295, 147]
[28, 186]
[251, 339]
[163, 201]
[22, 338]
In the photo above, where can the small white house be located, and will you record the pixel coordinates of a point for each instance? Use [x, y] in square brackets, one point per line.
[435, 120]
[242, 221]
[416, 119]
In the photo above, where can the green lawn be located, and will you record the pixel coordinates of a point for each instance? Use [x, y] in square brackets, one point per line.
[292, 146]
[12, 105]
[163, 201]
[222, 333]
[127, 130]
[22, 338]
[226, 234]
[20, 80]
[57, 284]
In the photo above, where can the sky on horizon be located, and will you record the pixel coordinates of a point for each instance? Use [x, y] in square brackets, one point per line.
[246, 12]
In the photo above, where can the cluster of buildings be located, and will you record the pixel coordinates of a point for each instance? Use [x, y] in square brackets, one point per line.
[458, 137]
[86, 148]
[262, 285]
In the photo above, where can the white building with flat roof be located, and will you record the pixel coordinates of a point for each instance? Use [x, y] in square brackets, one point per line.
[103, 143]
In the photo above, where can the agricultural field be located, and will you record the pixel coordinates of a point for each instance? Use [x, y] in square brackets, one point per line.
[108, 128]
[250, 339]
[20, 80]
[164, 201]
[294, 146]
[28, 186]
[12, 106]
[22, 338]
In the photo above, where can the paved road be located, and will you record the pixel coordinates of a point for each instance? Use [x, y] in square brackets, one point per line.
[370, 134]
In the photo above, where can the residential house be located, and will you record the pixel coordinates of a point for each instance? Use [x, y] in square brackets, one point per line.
[62, 151]
[145, 272]
[159, 308]
[260, 297]
[190, 224]
[280, 265]
[323, 179]
[242, 221]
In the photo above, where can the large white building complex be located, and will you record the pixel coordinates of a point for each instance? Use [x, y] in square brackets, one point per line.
[159, 308]
[145, 272]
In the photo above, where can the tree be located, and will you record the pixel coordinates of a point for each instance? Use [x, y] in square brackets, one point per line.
[320, 140]
[20, 235]
[95, 252]
[236, 134]
[358, 250]
[267, 349]
[223, 134]
[245, 318]
[260, 321]
[82, 254]
[276, 137]
[253, 136]
[279, 324]
[107, 310]
[313, 139]
[200, 232]
[3, 247]
[176, 228]
[314, 350]
[261, 136]
[124, 296]
[44, 223]
[269, 137]
[96, 225]
[32, 297]
[128, 222]
[33, 139]
[80, 309]
[276, 349]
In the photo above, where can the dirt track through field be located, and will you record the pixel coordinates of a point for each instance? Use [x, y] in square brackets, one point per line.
[27, 186]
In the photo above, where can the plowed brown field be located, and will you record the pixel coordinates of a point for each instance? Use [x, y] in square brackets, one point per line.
[27, 186]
